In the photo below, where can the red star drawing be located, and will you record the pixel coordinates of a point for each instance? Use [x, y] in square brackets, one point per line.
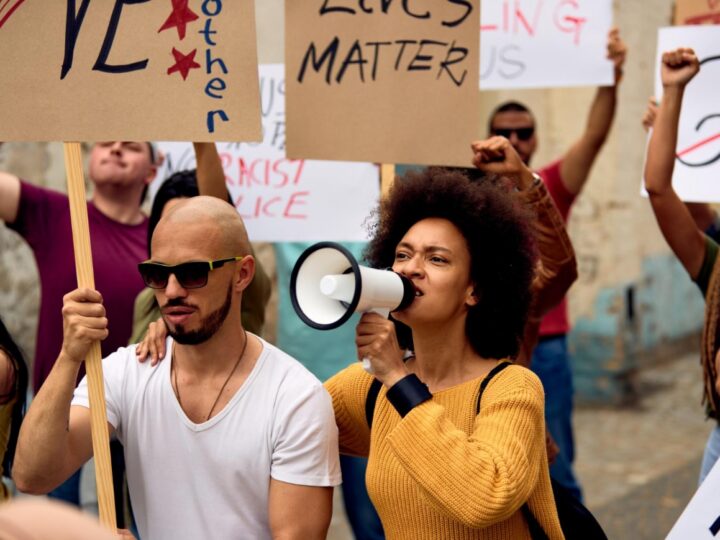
[180, 16]
[183, 63]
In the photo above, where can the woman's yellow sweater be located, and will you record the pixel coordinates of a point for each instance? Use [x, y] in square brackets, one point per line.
[443, 473]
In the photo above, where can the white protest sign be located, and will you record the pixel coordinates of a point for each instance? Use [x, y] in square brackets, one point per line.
[701, 518]
[697, 166]
[285, 200]
[544, 43]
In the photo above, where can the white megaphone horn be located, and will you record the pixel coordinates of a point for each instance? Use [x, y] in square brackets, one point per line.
[327, 286]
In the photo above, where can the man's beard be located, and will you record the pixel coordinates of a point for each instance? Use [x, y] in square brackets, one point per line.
[208, 326]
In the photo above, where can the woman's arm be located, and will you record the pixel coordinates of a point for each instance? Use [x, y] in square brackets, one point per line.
[486, 477]
[349, 389]
[675, 221]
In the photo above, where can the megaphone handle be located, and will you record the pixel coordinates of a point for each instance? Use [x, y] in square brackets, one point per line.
[366, 364]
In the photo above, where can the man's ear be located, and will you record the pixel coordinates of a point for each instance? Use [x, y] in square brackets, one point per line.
[244, 273]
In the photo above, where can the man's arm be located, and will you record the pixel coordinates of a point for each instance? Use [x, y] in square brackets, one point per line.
[299, 512]
[577, 162]
[55, 438]
[9, 197]
[210, 173]
[675, 221]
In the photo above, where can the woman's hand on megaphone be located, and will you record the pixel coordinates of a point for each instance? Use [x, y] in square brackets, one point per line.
[377, 341]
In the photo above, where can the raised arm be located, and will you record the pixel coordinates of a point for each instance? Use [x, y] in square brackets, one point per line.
[675, 221]
[210, 173]
[704, 215]
[557, 268]
[577, 162]
[55, 438]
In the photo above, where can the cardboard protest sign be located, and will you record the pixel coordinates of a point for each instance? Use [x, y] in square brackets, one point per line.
[286, 200]
[701, 518]
[697, 166]
[544, 43]
[390, 82]
[697, 12]
[129, 70]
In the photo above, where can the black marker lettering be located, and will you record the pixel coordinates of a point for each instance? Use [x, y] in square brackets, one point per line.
[101, 62]
[311, 55]
[324, 9]
[402, 43]
[355, 50]
[73, 23]
[413, 66]
[444, 65]
[377, 45]
[468, 10]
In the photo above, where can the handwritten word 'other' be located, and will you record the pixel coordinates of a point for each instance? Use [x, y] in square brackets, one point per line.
[398, 55]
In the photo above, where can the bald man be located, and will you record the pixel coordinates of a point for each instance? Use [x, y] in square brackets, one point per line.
[231, 438]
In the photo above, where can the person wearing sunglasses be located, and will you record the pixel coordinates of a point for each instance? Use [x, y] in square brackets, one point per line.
[227, 438]
[564, 179]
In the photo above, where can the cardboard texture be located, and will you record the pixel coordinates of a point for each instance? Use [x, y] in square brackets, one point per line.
[114, 70]
[532, 44]
[697, 12]
[395, 85]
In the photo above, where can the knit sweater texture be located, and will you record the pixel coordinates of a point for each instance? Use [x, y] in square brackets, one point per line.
[443, 472]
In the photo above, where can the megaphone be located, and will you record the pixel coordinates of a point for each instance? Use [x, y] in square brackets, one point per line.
[327, 285]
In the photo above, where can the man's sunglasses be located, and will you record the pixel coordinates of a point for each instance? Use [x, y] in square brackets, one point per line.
[190, 275]
[523, 134]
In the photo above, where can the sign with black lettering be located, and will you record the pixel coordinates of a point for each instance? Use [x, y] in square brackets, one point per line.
[391, 81]
[129, 70]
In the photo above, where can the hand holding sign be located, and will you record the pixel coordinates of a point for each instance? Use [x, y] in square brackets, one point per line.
[616, 52]
[678, 67]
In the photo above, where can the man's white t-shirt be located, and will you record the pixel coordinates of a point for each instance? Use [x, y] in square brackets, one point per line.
[211, 480]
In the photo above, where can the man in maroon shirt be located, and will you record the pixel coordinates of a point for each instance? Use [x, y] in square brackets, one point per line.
[120, 173]
[564, 179]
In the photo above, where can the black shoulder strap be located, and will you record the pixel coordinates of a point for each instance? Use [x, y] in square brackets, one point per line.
[371, 400]
[536, 530]
[497, 369]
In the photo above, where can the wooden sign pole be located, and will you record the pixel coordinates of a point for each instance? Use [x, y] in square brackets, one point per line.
[93, 365]
[387, 177]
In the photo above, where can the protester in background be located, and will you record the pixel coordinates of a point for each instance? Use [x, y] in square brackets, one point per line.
[433, 467]
[705, 216]
[230, 436]
[13, 391]
[696, 251]
[565, 179]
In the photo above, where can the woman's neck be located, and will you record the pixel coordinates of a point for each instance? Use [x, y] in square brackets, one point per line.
[445, 358]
